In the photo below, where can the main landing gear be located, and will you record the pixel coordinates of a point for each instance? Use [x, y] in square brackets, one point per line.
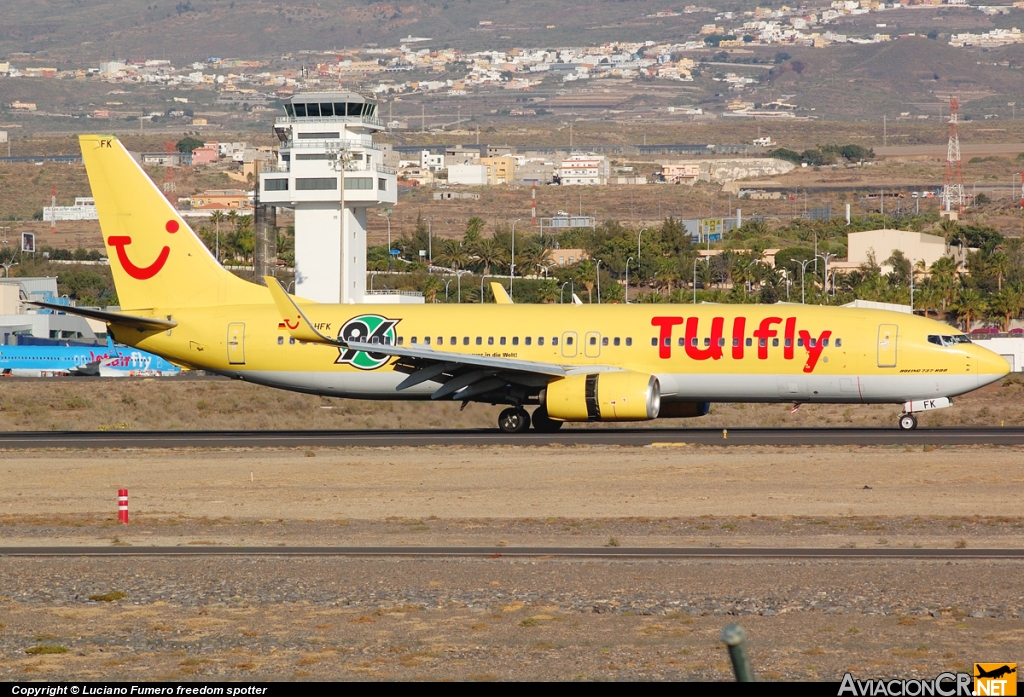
[908, 422]
[517, 420]
[513, 420]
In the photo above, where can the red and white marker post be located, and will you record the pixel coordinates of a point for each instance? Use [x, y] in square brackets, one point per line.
[122, 505]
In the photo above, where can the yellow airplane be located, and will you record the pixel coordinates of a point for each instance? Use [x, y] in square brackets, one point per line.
[573, 362]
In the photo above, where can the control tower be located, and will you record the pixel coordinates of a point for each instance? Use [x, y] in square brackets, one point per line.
[330, 171]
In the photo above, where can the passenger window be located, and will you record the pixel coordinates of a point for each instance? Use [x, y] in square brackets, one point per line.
[668, 341]
[528, 340]
[721, 342]
[762, 343]
[490, 341]
[604, 341]
[501, 341]
[682, 341]
[616, 342]
[824, 342]
[426, 340]
[412, 340]
[707, 342]
[800, 343]
[735, 341]
[554, 341]
[280, 341]
[750, 341]
[839, 343]
[568, 341]
[814, 342]
[775, 343]
[401, 340]
[465, 341]
[693, 341]
[789, 342]
[654, 341]
[593, 341]
[479, 340]
[540, 341]
[515, 341]
[291, 341]
[629, 341]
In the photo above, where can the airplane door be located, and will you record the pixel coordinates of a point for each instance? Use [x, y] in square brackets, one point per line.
[236, 343]
[887, 345]
[569, 347]
[592, 345]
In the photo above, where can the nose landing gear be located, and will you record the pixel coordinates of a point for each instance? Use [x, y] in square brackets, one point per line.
[908, 422]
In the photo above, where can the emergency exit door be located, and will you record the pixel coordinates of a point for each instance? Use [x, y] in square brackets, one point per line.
[887, 346]
[236, 343]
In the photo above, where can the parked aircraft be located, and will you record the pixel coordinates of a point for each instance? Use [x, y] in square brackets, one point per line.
[109, 361]
[574, 363]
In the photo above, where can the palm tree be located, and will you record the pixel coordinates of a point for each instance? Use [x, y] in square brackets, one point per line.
[453, 255]
[487, 253]
[970, 305]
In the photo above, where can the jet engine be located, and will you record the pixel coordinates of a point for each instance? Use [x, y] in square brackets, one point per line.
[611, 396]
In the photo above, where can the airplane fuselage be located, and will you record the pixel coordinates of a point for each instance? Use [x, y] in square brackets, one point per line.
[742, 353]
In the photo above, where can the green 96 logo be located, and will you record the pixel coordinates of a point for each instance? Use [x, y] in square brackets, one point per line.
[367, 329]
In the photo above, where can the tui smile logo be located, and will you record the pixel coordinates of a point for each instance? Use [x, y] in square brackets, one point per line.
[368, 329]
[141, 273]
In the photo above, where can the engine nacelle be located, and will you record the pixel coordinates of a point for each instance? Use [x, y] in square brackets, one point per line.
[612, 396]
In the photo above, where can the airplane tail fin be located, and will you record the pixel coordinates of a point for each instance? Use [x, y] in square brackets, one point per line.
[156, 259]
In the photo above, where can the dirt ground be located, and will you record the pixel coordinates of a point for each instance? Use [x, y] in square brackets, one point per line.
[274, 618]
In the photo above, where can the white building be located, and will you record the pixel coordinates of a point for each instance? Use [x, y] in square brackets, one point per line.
[432, 161]
[468, 175]
[583, 169]
[84, 209]
[330, 171]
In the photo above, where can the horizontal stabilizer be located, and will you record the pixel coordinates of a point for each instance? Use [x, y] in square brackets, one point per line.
[142, 324]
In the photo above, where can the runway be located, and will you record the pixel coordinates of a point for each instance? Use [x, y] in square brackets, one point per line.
[570, 436]
[536, 552]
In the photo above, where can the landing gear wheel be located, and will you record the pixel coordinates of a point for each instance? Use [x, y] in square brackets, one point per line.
[908, 422]
[513, 420]
[542, 423]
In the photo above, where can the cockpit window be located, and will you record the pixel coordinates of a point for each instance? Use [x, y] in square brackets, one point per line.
[948, 340]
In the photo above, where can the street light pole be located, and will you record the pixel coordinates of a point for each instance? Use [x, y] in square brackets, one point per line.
[561, 294]
[598, 281]
[629, 259]
[512, 266]
[430, 243]
[803, 274]
[825, 257]
[638, 262]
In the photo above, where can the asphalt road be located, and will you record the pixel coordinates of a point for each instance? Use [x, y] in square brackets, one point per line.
[570, 436]
[496, 552]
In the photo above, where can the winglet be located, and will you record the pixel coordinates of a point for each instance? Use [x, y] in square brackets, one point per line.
[500, 296]
[576, 300]
[293, 319]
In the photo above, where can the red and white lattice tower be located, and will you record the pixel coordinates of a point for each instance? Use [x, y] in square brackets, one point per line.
[953, 190]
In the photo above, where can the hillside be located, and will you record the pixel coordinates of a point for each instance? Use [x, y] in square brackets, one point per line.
[196, 29]
[907, 75]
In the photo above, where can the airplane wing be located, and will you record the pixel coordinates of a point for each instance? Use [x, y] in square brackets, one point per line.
[91, 369]
[140, 324]
[464, 376]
